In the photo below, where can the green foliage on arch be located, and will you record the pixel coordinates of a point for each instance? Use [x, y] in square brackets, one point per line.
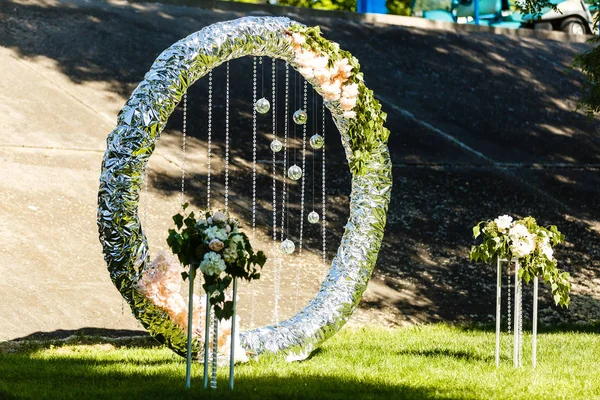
[366, 130]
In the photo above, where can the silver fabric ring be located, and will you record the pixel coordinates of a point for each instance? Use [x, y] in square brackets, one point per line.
[131, 143]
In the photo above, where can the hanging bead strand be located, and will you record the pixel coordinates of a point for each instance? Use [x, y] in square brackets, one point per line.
[227, 140]
[276, 282]
[208, 156]
[183, 139]
[302, 191]
[253, 292]
[323, 194]
[285, 152]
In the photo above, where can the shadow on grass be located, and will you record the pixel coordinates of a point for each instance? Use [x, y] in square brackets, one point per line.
[554, 328]
[87, 331]
[25, 376]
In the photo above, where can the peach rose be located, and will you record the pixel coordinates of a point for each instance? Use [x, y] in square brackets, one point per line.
[216, 245]
[347, 104]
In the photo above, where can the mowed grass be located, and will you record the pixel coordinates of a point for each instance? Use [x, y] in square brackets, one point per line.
[426, 362]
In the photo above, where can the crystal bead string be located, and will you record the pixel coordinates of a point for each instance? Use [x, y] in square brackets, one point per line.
[276, 282]
[509, 299]
[183, 139]
[520, 324]
[323, 194]
[215, 349]
[286, 128]
[227, 140]
[252, 291]
[209, 155]
[302, 191]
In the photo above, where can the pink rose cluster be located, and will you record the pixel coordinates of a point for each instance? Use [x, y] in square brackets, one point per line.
[333, 80]
[161, 282]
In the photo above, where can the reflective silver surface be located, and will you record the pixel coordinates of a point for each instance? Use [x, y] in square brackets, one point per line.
[131, 143]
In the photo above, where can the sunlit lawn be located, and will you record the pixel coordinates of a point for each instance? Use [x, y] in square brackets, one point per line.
[434, 361]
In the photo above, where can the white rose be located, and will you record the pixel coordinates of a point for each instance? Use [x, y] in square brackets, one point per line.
[219, 217]
[503, 223]
[228, 228]
[518, 231]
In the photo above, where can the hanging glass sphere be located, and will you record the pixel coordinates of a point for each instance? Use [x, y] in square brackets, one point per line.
[313, 217]
[262, 106]
[300, 117]
[316, 141]
[287, 246]
[276, 146]
[295, 172]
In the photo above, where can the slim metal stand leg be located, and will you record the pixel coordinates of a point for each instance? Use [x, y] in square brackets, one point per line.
[535, 318]
[232, 340]
[188, 370]
[516, 318]
[498, 303]
[206, 340]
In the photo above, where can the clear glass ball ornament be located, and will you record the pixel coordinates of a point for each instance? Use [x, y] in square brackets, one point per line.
[295, 172]
[287, 246]
[316, 141]
[262, 106]
[313, 217]
[276, 146]
[300, 117]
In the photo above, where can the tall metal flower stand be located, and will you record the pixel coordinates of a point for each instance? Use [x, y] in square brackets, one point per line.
[518, 314]
[215, 343]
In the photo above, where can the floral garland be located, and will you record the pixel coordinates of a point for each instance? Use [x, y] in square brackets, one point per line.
[215, 245]
[337, 74]
[524, 240]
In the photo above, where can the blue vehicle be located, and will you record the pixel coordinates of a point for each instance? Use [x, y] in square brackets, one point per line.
[490, 12]
[574, 17]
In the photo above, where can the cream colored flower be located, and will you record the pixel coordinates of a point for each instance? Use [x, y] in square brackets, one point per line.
[216, 245]
[321, 62]
[322, 75]
[331, 91]
[298, 38]
[522, 242]
[219, 217]
[347, 104]
[350, 90]
[306, 72]
[503, 223]
[343, 68]
[349, 114]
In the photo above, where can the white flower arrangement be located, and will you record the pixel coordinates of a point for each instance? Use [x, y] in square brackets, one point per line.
[215, 245]
[524, 240]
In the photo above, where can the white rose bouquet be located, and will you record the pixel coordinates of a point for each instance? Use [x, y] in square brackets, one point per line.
[215, 245]
[531, 244]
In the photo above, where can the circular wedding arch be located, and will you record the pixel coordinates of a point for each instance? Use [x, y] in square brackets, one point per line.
[131, 143]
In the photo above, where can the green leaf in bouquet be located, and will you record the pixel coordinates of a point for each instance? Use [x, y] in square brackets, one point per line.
[178, 219]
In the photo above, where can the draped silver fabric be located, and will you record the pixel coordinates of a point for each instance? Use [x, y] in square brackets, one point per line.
[132, 142]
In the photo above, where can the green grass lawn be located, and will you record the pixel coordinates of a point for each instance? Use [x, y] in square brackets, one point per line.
[433, 361]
